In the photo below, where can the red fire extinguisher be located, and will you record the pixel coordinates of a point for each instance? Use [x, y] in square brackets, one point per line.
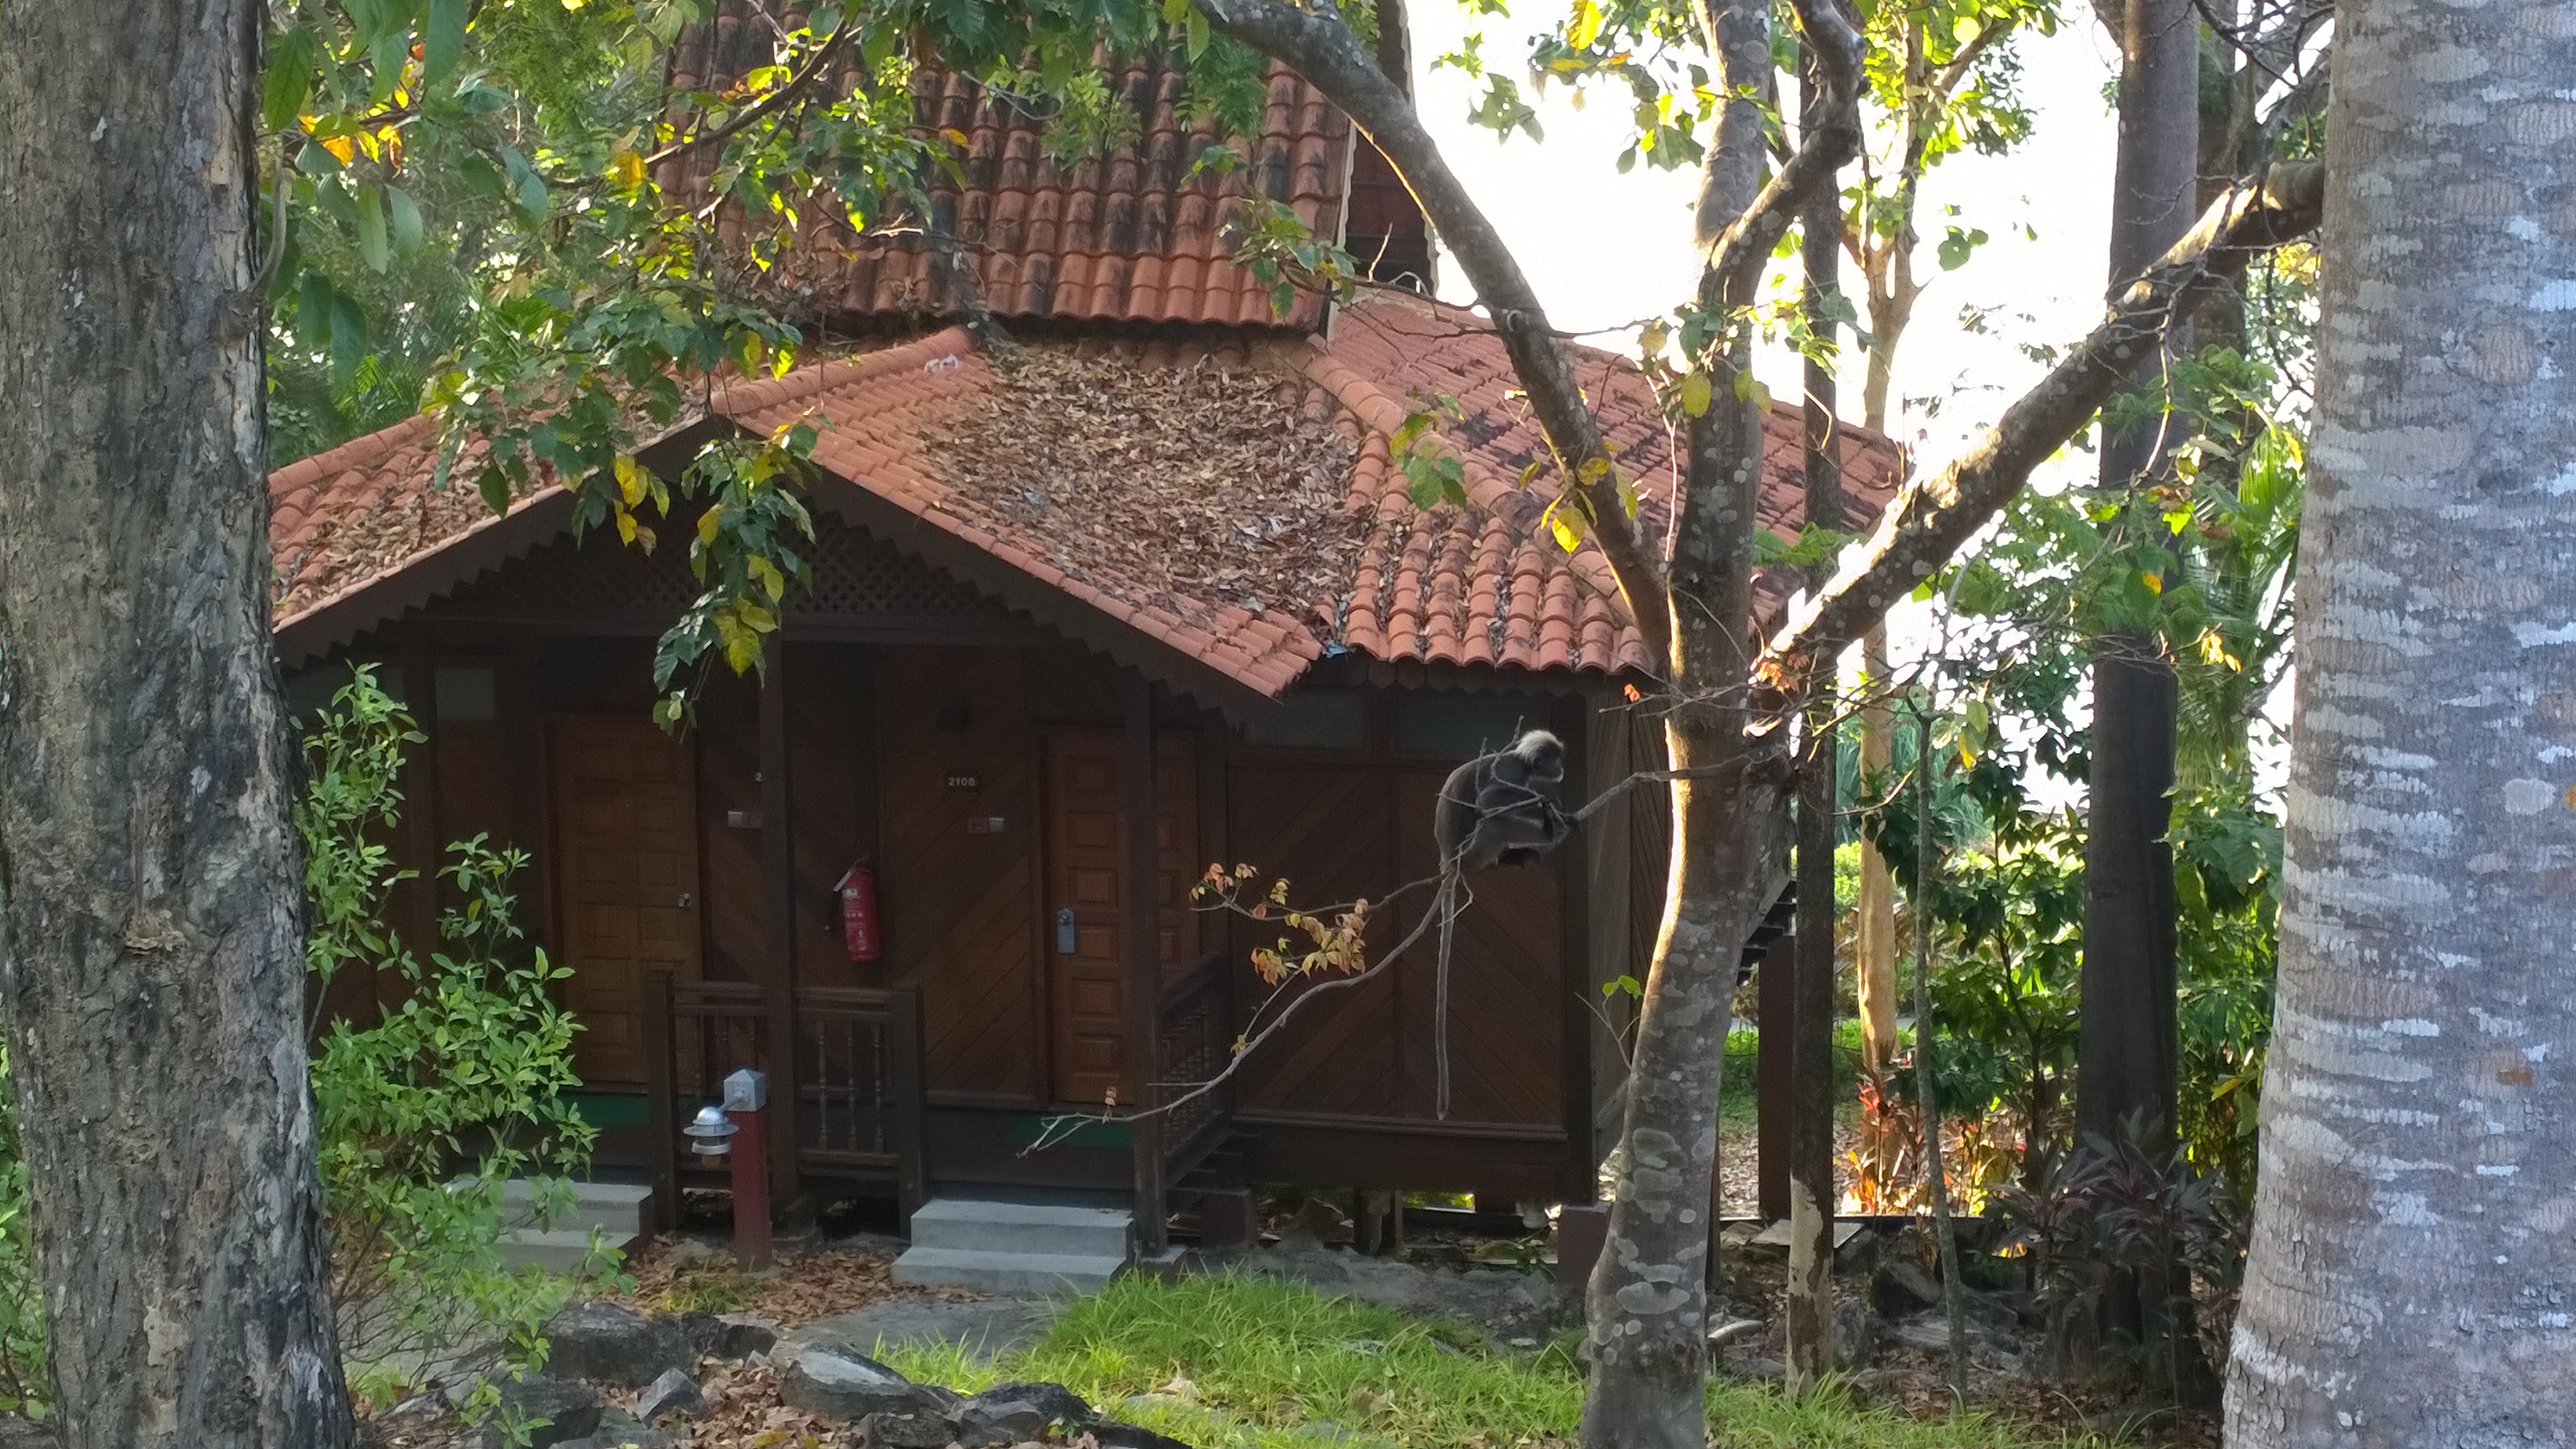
[857, 888]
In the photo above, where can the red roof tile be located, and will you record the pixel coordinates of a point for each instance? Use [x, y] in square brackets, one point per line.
[1128, 235]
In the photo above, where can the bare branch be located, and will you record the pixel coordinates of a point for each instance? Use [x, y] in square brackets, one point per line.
[1323, 50]
[1932, 517]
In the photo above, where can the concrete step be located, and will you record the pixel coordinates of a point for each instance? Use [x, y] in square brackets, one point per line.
[982, 1225]
[623, 1208]
[1007, 1272]
[557, 1250]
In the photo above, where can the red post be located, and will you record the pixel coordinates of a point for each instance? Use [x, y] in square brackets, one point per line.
[746, 1104]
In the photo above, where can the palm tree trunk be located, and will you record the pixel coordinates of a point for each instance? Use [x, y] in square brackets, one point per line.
[2412, 1257]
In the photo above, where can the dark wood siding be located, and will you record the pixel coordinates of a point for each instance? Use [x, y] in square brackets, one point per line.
[1350, 823]
[961, 909]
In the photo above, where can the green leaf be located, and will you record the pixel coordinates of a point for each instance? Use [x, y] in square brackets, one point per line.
[404, 213]
[372, 248]
[289, 81]
[348, 340]
[443, 38]
[494, 485]
[1194, 29]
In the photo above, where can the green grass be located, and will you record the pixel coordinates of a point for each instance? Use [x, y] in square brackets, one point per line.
[1243, 1363]
[1736, 1106]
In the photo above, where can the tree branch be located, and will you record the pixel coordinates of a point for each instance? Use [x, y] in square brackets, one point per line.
[1933, 517]
[1736, 254]
[821, 61]
[1324, 51]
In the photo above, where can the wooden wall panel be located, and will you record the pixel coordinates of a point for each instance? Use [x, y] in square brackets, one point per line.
[833, 799]
[1325, 829]
[1609, 853]
[1506, 984]
[960, 906]
[1339, 831]
[728, 764]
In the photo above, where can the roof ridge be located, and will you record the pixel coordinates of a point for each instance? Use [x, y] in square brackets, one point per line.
[832, 373]
[357, 452]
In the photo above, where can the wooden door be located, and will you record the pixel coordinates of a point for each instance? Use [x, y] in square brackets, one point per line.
[626, 871]
[1087, 996]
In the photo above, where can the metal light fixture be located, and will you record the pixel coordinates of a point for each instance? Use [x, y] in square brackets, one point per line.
[710, 1133]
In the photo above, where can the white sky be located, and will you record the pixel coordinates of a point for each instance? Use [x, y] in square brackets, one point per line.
[1604, 249]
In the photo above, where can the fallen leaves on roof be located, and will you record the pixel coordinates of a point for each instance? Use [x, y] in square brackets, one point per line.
[1211, 484]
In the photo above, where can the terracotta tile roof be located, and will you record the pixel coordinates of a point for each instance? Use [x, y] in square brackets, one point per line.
[1479, 587]
[1491, 587]
[1126, 235]
[339, 520]
[883, 414]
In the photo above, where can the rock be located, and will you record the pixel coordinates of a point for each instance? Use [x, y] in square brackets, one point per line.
[1059, 1404]
[557, 1412]
[1758, 1367]
[1741, 1328]
[983, 1423]
[732, 1337]
[1902, 1286]
[18, 1433]
[611, 1343]
[1110, 1434]
[740, 1335]
[1855, 1335]
[849, 1386]
[673, 1393]
[909, 1429]
[619, 1430]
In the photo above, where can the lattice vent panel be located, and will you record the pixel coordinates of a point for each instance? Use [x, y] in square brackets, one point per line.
[854, 576]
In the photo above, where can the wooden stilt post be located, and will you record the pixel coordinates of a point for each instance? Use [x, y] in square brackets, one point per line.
[778, 916]
[1141, 908]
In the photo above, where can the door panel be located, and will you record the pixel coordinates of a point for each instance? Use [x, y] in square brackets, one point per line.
[1087, 1002]
[626, 866]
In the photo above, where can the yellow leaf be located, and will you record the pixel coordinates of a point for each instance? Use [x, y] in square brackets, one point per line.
[1695, 388]
[2155, 582]
[625, 526]
[631, 481]
[340, 146]
[626, 168]
[707, 526]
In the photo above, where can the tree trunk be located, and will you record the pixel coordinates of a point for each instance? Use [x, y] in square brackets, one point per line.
[1812, 1197]
[151, 948]
[2411, 1264]
[2125, 1071]
[1875, 942]
[1647, 1304]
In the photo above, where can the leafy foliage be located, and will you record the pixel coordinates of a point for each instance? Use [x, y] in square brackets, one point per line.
[425, 1113]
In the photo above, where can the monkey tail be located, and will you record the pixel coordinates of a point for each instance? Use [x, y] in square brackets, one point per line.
[1453, 889]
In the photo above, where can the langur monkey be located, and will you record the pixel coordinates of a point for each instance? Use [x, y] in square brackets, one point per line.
[1506, 808]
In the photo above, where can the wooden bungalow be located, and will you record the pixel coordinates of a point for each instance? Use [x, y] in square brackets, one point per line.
[1138, 594]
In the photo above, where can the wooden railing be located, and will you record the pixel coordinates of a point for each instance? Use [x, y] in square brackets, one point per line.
[855, 1072]
[1195, 1040]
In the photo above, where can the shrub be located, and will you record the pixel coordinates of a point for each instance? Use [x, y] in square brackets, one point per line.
[426, 1112]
